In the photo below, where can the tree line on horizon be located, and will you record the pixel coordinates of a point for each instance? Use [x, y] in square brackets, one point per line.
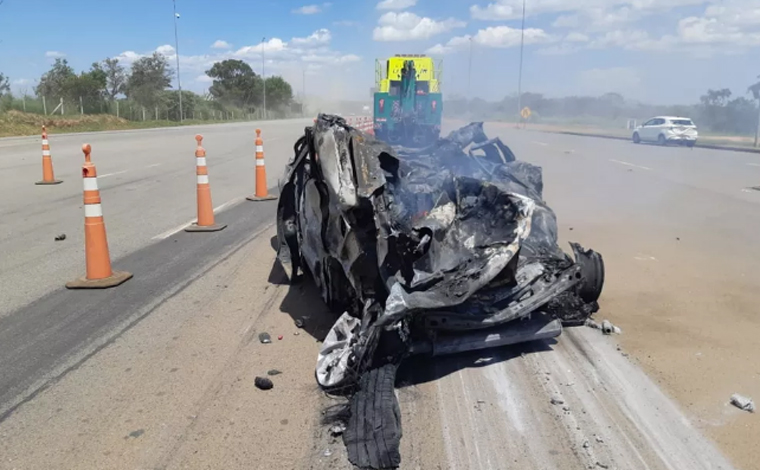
[147, 85]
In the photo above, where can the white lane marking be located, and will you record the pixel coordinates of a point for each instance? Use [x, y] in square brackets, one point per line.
[540, 143]
[753, 164]
[630, 164]
[153, 165]
[645, 258]
[112, 174]
[179, 228]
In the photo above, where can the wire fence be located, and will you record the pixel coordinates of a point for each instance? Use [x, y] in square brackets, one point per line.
[193, 108]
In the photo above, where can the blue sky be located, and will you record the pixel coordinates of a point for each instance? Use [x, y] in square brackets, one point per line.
[666, 51]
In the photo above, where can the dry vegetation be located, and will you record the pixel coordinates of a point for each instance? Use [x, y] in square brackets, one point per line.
[16, 123]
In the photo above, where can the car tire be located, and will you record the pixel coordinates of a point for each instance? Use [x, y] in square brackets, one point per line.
[661, 140]
[636, 138]
[373, 432]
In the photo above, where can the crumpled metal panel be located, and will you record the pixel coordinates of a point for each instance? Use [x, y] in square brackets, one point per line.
[455, 236]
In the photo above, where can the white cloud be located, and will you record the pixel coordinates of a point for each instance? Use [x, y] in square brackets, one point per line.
[576, 37]
[166, 50]
[320, 37]
[273, 46]
[55, 55]
[204, 79]
[220, 44]
[495, 12]
[504, 36]
[598, 81]
[396, 4]
[311, 9]
[407, 26]
[495, 37]
[21, 81]
[332, 59]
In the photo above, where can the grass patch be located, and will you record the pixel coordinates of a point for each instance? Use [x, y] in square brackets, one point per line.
[17, 123]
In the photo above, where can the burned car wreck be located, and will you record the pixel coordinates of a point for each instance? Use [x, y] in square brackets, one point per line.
[426, 251]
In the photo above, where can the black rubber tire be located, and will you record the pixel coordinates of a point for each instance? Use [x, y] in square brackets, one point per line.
[636, 138]
[373, 434]
[661, 140]
[592, 268]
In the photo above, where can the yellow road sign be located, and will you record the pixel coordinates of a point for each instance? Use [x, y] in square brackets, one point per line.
[525, 112]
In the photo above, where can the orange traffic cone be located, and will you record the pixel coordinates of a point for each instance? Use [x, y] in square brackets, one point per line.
[47, 162]
[205, 209]
[261, 173]
[99, 273]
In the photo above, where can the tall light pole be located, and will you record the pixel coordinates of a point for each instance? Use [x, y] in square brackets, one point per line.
[176, 51]
[303, 93]
[263, 75]
[519, 77]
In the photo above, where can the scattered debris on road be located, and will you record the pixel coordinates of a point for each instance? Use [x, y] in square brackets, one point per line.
[605, 327]
[437, 251]
[61, 237]
[263, 383]
[265, 338]
[337, 429]
[556, 400]
[273, 372]
[279, 338]
[608, 328]
[743, 403]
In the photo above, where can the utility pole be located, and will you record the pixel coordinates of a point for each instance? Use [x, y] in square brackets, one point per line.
[176, 51]
[303, 94]
[519, 77]
[263, 75]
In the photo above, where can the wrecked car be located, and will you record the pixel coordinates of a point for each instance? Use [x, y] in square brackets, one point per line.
[438, 250]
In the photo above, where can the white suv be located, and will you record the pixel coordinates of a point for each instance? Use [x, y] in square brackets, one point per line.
[666, 129]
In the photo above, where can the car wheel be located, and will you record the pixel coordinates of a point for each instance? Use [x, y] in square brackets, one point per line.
[661, 140]
[636, 138]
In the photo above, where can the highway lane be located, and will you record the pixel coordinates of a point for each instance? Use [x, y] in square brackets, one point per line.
[682, 275]
[147, 184]
[679, 239]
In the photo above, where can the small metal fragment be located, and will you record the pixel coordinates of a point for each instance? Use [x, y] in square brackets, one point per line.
[265, 338]
[743, 403]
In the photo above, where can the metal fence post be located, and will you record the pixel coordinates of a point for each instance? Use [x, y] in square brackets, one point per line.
[44, 106]
[81, 107]
[117, 108]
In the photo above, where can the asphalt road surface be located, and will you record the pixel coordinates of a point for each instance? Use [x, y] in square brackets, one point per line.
[158, 373]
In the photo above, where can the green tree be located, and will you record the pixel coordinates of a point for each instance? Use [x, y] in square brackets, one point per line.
[235, 83]
[116, 77]
[279, 92]
[88, 86]
[53, 82]
[5, 86]
[150, 76]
